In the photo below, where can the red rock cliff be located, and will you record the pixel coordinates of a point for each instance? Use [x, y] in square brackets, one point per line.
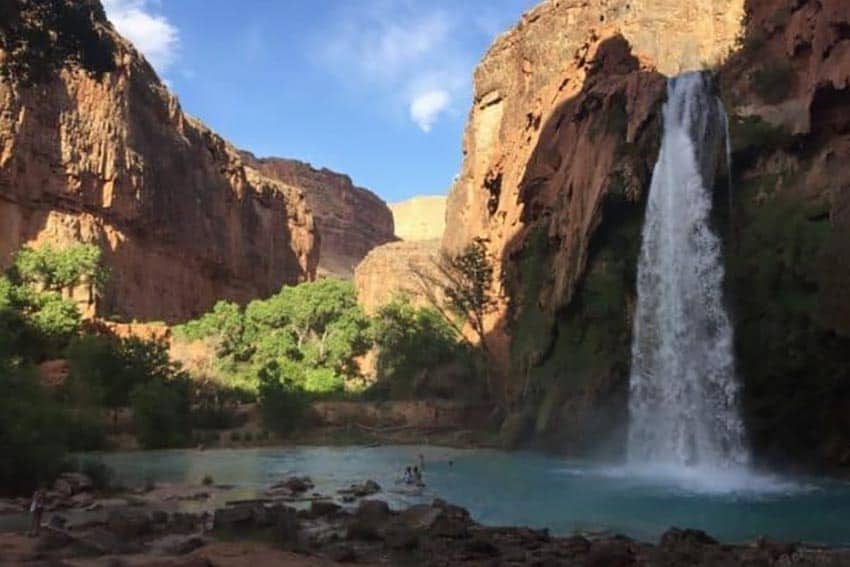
[559, 149]
[350, 220]
[94, 148]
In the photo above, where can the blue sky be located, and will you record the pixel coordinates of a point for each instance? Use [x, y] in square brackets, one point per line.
[377, 89]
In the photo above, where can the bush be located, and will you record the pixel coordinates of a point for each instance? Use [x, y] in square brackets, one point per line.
[213, 416]
[161, 412]
[84, 430]
[773, 82]
[235, 437]
[33, 432]
[208, 481]
[409, 339]
[282, 402]
[323, 381]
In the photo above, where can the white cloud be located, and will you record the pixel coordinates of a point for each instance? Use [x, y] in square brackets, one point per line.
[152, 34]
[426, 108]
[405, 52]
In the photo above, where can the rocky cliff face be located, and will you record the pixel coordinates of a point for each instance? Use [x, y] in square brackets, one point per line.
[420, 218]
[559, 151]
[394, 269]
[350, 220]
[563, 131]
[788, 231]
[94, 148]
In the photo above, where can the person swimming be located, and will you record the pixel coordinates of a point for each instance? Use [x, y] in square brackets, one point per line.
[417, 477]
[407, 477]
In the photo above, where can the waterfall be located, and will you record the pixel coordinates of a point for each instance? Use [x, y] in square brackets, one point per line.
[683, 401]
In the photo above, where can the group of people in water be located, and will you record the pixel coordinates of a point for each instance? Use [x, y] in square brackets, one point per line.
[413, 474]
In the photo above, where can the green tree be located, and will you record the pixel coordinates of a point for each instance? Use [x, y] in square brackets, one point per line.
[58, 269]
[162, 413]
[282, 401]
[33, 435]
[468, 284]
[409, 339]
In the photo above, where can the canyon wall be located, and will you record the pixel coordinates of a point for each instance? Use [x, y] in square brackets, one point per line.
[350, 220]
[559, 151]
[559, 146]
[420, 218]
[94, 148]
[787, 231]
[397, 269]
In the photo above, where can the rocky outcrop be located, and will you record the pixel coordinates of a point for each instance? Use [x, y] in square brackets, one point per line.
[420, 218]
[530, 70]
[94, 148]
[350, 220]
[559, 151]
[395, 269]
[564, 109]
[788, 266]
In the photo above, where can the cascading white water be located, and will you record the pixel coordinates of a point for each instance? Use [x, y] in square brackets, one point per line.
[683, 393]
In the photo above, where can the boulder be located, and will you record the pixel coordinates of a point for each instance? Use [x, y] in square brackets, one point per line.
[178, 544]
[401, 537]
[361, 490]
[128, 523]
[294, 485]
[69, 484]
[369, 520]
[322, 508]
[286, 525]
[233, 516]
[678, 538]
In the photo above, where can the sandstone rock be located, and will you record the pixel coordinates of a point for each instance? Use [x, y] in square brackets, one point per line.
[394, 269]
[676, 537]
[367, 488]
[286, 525]
[420, 218]
[129, 523]
[70, 484]
[233, 517]
[350, 220]
[369, 520]
[94, 148]
[560, 145]
[177, 544]
[294, 485]
[322, 508]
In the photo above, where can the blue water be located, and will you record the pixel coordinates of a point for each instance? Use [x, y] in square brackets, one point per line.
[530, 489]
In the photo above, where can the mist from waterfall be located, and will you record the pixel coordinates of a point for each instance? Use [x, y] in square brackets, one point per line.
[683, 401]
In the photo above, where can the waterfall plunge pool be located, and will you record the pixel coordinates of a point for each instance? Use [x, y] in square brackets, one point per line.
[531, 489]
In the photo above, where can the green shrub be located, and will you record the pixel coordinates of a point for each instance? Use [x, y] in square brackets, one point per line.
[282, 402]
[248, 437]
[773, 82]
[161, 413]
[33, 432]
[208, 481]
[409, 339]
[235, 437]
[213, 417]
[323, 381]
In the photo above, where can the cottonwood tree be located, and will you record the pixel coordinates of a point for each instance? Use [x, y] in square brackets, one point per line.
[460, 287]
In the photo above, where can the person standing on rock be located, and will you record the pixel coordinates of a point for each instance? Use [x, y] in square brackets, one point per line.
[36, 512]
